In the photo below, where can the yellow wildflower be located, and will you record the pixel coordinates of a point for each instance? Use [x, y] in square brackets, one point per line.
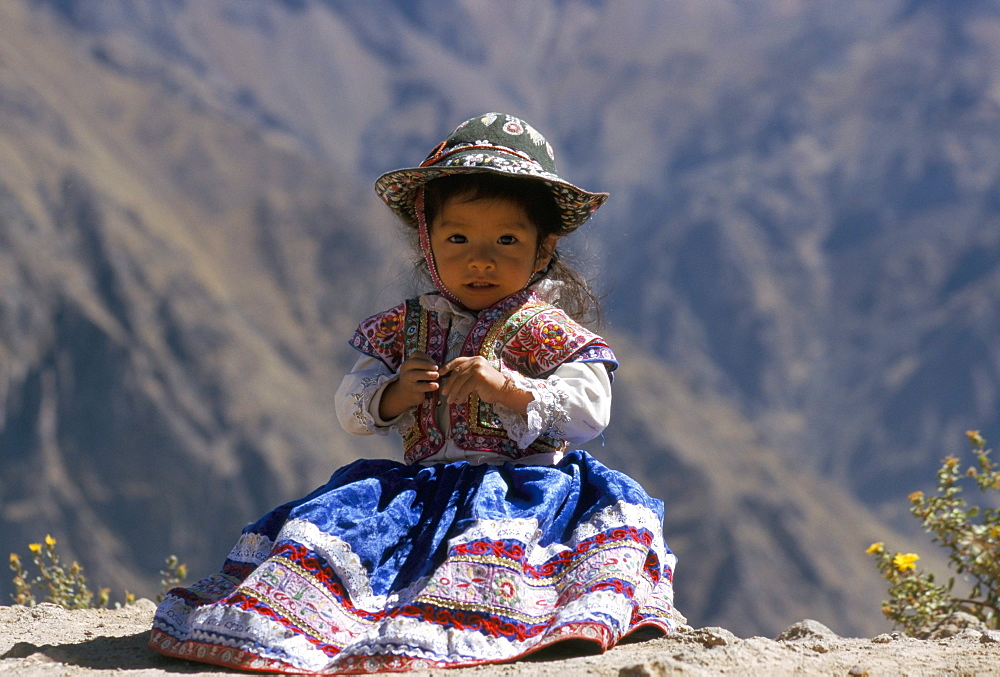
[875, 548]
[975, 438]
[15, 561]
[995, 532]
[49, 541]
[906, 562]
[950, 461]
[35, 547]
[916, 497]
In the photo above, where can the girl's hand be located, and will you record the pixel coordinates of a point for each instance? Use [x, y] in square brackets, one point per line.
[467, 375]
[418, 375]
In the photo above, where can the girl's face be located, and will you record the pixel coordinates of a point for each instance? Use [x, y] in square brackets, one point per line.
[486, 249]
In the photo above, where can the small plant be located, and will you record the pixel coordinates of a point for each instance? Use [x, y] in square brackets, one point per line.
[171, 577]
[67, 586]
[970, 534]
[55, 583]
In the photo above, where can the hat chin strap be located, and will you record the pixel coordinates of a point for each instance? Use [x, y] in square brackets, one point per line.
[425, 248]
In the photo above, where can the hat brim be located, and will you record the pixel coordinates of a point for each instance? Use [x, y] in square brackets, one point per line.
[398, 188]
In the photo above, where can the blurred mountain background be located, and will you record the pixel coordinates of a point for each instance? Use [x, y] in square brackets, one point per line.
[801, 261]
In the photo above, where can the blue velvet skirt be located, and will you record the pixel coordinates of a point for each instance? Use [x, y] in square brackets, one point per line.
[391, 567]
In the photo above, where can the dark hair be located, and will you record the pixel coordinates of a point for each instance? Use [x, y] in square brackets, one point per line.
[535, 197]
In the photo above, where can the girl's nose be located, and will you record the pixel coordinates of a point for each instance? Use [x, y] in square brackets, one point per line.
[481, 257]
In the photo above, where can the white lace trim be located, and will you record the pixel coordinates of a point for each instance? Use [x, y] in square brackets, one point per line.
[548, 290]
[399, 636]
[370, 386]
[233, 627]
[255, 548]
[342, 559]
[415, 638]
[628, 514]
[545, 412]
[251, 548]
[402, 636]
[621, 514]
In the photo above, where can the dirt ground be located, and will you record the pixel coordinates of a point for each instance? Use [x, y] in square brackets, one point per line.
[50, 640]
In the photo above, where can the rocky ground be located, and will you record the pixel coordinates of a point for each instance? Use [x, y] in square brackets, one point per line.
[50, 640]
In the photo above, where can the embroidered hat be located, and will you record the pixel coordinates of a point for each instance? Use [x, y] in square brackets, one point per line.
[494, 142]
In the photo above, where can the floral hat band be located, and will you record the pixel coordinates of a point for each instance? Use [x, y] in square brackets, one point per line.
[494, 142]
[441, 153]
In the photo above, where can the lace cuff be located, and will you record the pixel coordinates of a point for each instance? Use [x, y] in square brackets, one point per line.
[545, 412]
[368, 398]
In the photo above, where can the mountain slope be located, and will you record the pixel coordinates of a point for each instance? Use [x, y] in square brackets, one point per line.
[743, 521]
[189, 237]
[164, 371]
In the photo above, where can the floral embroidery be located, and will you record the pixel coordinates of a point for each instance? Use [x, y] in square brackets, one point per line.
[497, 594]
[520, 334]
[379, 336]
[392, 567]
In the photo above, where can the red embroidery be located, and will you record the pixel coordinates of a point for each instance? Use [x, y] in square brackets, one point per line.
[521, 333]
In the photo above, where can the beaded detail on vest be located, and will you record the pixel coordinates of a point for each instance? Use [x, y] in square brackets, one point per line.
[520, 333]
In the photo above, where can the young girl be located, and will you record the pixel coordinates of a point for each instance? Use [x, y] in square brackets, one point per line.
[490, 541]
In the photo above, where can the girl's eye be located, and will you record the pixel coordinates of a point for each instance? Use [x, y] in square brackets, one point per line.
[507, 239]
[457, 239]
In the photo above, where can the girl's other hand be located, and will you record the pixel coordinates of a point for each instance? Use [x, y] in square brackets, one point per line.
[418, 375]
[467, 375]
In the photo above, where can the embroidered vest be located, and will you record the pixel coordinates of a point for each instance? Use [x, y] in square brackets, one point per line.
[521, 332]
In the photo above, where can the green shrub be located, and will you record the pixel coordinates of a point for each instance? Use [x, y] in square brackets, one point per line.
[67, 586]
[54, 582]
[971, 536]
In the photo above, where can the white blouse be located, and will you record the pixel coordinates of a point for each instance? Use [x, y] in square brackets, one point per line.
[573, 403]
